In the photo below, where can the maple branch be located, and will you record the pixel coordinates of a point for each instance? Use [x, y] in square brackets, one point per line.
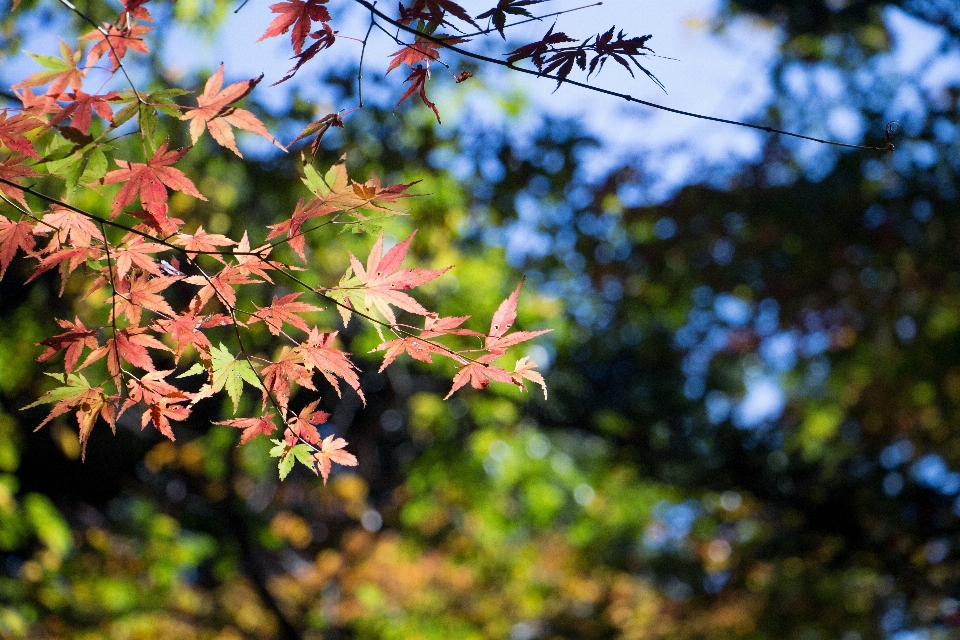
[616, 94]
[113, 312]
[533, 19]
[106, 38]
[363, 51]
[397, 328]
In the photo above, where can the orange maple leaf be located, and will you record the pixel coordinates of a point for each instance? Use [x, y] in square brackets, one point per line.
[215, 115]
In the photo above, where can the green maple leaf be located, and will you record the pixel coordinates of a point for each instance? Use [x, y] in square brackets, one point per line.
[289, 455]
[230, 372]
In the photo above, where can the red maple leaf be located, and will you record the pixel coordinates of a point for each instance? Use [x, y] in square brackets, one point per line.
[163, 400]
[69, 227]
[331, 450]
[141, 292]
[433, 12]
[497, 342]
[80, 107]
[421, 52]
[11, 170]
[12, 130]
[418, 349]
[219, 285]
[135, 250]
[115, 42]
[317, 352]
[203, 242]
[304, 425]
[282, 310]
[252, 427]
[147, 181]
[216, 116]
[129, 345]
[299, 15]
[278, 376]
[291, 228]
[73, 340]
[325, 36]
[418, 82]
[88, 402]
[186, 330]
[13, 236]
[479, 374]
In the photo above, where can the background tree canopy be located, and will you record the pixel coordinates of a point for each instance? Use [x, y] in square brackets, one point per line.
[751, 429]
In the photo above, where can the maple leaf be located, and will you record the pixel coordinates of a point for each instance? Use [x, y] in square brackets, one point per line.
[128, 345]
[73, 340]
[299, 15]
[253, 261]
[278, 376]
[252, 427]
[622, 50]
[202, 242]
[115, 42]
[12, 130]
[282, 310]
[291, 228]
[513, 7]
[317, 352]
[62, 72]
[134, 9]
[161, 413]
[12, 170]
[13, 236]
[68, 260]
[433, 12]
[141, 292]
[479, 374]
[380, 285]
[135, 250]
[536, 50]
[215, 115]
[418, 81]
[227, 371]
[434, 326]
[80, 109]
[88, 402]
[304, 425]
[497, 342]
[421, 52]
[325, 37]
[219, 285]
[336, 192]
[163, 400]
[319, 128]
[147, 181]
[185, 330]
[331, 450]
[418, 349]
[524, 369]
[68, 227]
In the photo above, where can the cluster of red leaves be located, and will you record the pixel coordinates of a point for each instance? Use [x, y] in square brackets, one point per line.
[160, 297]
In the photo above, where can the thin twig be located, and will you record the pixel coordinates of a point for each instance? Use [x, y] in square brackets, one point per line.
[616, 94]
[363, 50]
[526, 20]
[106, 38]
